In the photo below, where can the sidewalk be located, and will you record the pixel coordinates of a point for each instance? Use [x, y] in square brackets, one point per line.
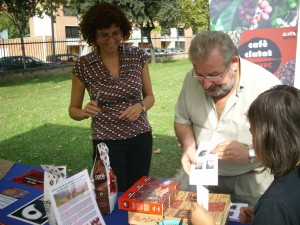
[181, 175]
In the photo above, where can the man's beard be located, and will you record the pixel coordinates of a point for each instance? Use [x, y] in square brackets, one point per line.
[223, 89]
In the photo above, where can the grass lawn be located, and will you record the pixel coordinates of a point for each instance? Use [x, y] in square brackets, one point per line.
[36, 128]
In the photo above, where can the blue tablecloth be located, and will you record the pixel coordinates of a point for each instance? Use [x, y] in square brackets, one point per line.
[118, 217]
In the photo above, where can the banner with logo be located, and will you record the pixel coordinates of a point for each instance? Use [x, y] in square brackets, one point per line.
[265, 32]
[272, 48]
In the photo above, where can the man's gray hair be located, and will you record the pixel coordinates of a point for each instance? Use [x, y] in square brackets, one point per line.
[206, 41]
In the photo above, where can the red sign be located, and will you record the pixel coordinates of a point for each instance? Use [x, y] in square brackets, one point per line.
[34, 178]
[272, 48]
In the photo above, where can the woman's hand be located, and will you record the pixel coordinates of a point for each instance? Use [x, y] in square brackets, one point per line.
[132, 113]
[76, 109]
[91, 109]
[246, 215]
[200, 216]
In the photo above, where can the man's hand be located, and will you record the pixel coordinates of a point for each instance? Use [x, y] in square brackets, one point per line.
[188, 158]
[232, 150]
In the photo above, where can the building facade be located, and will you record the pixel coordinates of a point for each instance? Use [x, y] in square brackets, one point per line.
[67, 40]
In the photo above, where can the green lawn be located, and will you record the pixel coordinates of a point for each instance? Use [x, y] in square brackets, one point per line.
[36, 128]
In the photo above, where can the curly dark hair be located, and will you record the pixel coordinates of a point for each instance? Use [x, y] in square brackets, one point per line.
[100, 16]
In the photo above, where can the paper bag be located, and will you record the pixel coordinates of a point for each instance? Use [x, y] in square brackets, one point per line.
[52, 175]
[104, 180]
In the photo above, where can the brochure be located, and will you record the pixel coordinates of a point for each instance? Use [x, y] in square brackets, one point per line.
[234, 211]
[11, 195]
[202, 196]
[74, 201]
[205, 171]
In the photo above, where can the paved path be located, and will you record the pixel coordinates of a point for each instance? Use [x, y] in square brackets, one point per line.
[181, 175]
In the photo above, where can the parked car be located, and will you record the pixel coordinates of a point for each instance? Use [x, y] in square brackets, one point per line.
[16, 62]
[64, 58]
[175, 50]
[157, 51]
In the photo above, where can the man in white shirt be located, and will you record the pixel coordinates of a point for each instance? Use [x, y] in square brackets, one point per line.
[212, 106]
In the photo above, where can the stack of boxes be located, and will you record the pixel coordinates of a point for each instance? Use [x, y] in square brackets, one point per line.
[153, 200]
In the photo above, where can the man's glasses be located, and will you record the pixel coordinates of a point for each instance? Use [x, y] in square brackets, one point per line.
[105, 36]
[210, 78]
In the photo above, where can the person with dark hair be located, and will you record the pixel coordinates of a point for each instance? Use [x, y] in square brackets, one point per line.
[118, 82]
[274, 118]
[212, 106]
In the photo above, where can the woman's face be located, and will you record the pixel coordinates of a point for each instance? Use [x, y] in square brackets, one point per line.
[253, 133]
[109, 39]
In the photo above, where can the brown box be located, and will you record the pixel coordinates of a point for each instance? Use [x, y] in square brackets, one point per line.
[219, 205]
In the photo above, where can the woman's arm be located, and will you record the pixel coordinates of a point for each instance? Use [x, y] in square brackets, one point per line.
[148, 97]
[76, 111]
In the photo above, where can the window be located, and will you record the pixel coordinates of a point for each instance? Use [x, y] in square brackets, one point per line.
[180, 31]
[72, 32]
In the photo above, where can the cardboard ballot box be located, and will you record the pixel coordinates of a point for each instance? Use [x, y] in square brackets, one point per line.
[148, 199]
[150, 195]
[160, 182]
[219, 205]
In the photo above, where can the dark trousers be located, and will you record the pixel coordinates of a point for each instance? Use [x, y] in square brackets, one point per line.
[130, 159]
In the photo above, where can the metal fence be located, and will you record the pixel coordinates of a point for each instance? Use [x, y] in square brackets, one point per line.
[42, 47]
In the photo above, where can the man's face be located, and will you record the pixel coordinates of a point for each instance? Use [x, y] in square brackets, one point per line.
[216, 78]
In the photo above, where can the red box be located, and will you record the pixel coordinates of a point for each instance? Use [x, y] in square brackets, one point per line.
[150, 195]
[160, 182]
[147, 199]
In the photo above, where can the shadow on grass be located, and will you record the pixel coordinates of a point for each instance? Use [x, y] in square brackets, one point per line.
[168, 162]
[51, 144]
[71, 146]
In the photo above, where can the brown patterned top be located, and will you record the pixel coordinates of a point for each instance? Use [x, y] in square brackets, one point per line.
[114, 95]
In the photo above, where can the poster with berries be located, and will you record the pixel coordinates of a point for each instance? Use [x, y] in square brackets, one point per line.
[265, 32]
[272, 48]
[240, 15]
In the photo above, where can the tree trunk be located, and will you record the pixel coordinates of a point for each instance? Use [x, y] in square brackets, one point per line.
[23, 51]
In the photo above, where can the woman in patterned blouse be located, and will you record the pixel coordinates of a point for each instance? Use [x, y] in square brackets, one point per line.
[117, 80]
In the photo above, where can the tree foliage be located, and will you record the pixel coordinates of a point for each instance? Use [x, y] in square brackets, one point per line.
[7, 24]
[145, 14]
[18, 12]
[194, 14]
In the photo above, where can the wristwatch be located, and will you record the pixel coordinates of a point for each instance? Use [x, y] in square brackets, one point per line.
[143, 107]
[251, 153]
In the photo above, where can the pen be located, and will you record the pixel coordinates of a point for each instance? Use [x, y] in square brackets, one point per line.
[170, 222]
[97, 96]
[181, 222]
